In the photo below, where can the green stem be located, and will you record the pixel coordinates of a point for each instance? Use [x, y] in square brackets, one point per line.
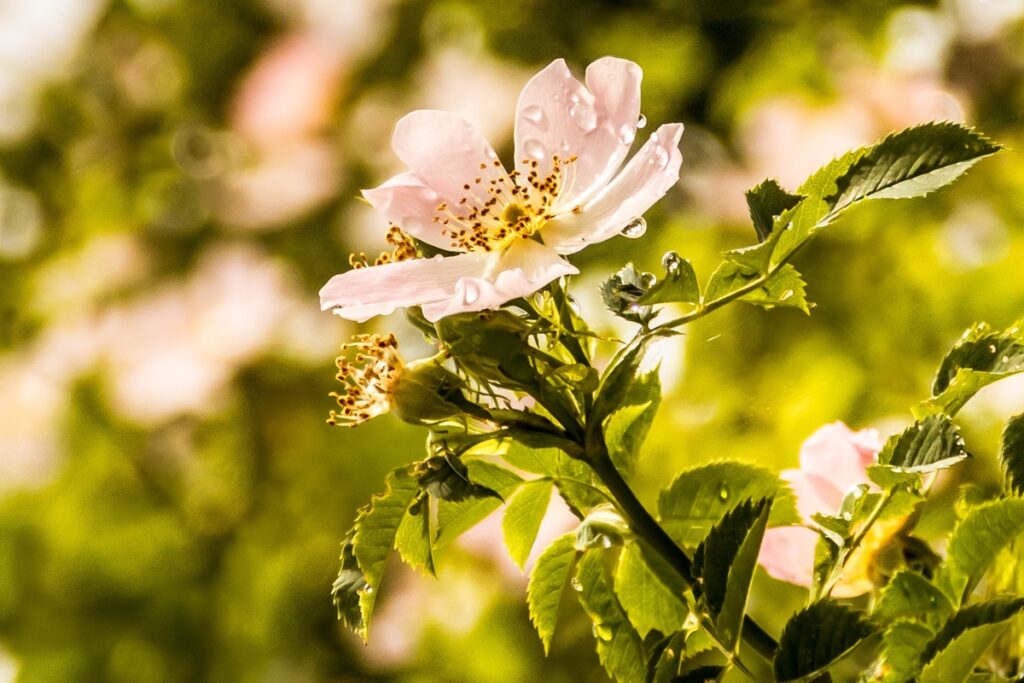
[646, 527]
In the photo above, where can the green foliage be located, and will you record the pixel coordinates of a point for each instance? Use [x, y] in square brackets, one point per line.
[414, 536]
[698, 498]
[456, 517]
[953, 652]
[725, 562]
[902, 645]
[908, 595]
[678, 286]
[980, 357]
[649, 601]
[1011, 454]
[547, 583]
[623, 291]
[523, 515]
[766, 201]
[619, 646]
[626, 428]
[817, 637]
[911, 163]
[784, 287]
[976, 541]
[931, 444]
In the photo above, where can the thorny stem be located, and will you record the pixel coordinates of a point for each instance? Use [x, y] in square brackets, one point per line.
[645, 526]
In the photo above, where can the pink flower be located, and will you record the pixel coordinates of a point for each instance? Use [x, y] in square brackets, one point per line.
[832, 461]
[510, 229]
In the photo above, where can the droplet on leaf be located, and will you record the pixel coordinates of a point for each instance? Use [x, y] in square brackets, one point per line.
[641, 122]
[671, 262]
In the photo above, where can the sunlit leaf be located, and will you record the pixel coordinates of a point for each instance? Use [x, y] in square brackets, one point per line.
[1011, 454]
[648, 601]
[902, 645]
[953, 652]
[547, 582]
[908, 595]
[523, 516]
[678, 286]
[783, 288]
[413, 539]
[931, 444]
[619, 646]
[976, 541]
[626, 428]
[766, 201]
[455, 518]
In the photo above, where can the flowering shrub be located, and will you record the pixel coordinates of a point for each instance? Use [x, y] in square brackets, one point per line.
[518, 407]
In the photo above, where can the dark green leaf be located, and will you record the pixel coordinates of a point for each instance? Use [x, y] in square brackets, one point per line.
[447, 478]
[911, 163]
[911, 596]
[931, 444]
[902, 645]
[678, 286]
[953, 652]
[1011, 454]
[455, 518]
[766, 201]
[619, 380]
[350, 590]
[725, 562]
[784, 287]
[619, 646]
[980, 357]
[976, 541]
[708, 673]
[547, 582]
[698, 498]
[817, 637]
[523, 517]
[648, 601]
[622, 292]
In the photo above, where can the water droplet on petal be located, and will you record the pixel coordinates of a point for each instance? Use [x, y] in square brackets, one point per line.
[641, 122]
[535, 115]
[626, 135]
[660, 156]
[534, 149]
[583, 115]
[576, 585]
[635, 228]
[472, 292]
[723, 491]
[671, 262]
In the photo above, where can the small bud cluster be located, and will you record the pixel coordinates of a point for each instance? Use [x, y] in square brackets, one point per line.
[369, 376]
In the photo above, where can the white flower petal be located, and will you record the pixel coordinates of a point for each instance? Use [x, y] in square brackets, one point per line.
[446, 152]
[557, 115]
[411, 204]
[523, 269]
[652, 172]
[363, 293]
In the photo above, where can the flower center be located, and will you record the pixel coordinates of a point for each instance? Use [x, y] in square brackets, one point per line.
[500, 207]
[368, 376]
[404, 249]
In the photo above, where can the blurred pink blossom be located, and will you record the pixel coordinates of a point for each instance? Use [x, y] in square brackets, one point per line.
[833, 460]
[570, 142]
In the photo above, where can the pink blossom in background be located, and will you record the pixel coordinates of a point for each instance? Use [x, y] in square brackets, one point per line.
[833, 460]
[510, 229]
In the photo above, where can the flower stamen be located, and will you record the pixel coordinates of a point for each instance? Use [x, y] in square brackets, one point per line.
[404, 250]
[368, 376]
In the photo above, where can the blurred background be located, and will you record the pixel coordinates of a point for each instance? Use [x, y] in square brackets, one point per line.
[179, 177]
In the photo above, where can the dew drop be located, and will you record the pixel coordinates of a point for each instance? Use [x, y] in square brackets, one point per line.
[635, 228]
[641, 122]
[786, 295]
[647, 280]
[991, 348]
[606, 542]
[626, 135]
[723, 491]
[633, 309]
[602, 632]
[670, 653]
[583, 115]
[1005, 360]
[576, 585]
[671, 262]
[534, 149]
[472, 292]
[660, 156]
[535, 115]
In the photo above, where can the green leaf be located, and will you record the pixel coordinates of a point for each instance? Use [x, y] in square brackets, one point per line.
[931, 444]
[455, 518]
[981, 356]
[619, 646]
[956, 648]
[725, 561]
[547, 582]
[1011, 454]
[817, 637]
[622, 292]
[523, 517]
[766, 201]
[822, 183]
[373, 538]
[650, 603]
[902, 645]
[975, 543]
[784, 287]
[729, 277]
[911, 596]
[619, 379]
[351, 590]
[447, 478]
[573, 478]
[702, 674]
[678, 286]
[413, 538]
[911, 163]
[699, 497]
[626, 429]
